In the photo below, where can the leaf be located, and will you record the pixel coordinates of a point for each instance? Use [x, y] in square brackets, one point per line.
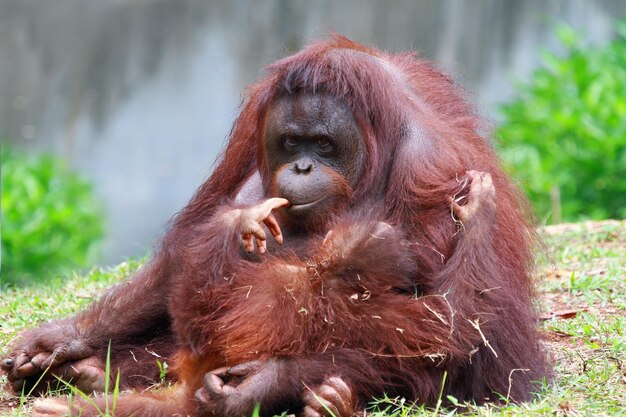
[561, 314]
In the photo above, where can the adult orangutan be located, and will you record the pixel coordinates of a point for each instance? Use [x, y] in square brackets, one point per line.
[398, 253]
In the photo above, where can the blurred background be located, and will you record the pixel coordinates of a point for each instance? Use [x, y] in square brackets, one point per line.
[113, 112]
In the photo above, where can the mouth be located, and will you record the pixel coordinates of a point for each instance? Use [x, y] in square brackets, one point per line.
[303, 206]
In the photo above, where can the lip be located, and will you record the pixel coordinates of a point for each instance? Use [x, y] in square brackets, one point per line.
[304, 206]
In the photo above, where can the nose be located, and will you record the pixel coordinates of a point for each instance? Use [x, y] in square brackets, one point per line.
[303, 166]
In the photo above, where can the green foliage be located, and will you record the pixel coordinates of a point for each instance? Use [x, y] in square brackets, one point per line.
[163, 367]
[564, 136]
[50, 220]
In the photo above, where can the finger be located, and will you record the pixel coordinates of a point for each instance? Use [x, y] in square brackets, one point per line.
[476, 186]
[88, 375]
[248, 242]
[213, 384]
[202, 396]
[21, 359]
[341, 387]
[59, 355]
[244, 369]
[39, 359]
[459, 211]
[67, 371]
[487, 181]
[274, 203]
[332, 396]
[260, 212]
[262, 245]
[261, 237]
[27, 369]
[322, 405]
[274, 228]
[223, 371]
[228, 390]
[310, 412]
[328, 408]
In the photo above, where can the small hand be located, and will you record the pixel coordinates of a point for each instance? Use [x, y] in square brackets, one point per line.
[481, 201]
[250, 220]
[332, 398]
[235, 391]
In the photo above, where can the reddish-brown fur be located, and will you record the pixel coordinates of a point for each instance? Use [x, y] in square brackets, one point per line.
[388, 315]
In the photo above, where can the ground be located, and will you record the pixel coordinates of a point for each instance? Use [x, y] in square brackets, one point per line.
[581, 286]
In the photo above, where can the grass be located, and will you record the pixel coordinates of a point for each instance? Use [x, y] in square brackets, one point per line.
[24, 307]
[581, 294]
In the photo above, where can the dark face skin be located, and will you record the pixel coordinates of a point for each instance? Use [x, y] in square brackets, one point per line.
[315, 153]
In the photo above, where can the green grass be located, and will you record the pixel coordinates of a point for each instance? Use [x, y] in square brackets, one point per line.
[584, 270]
[26, 306]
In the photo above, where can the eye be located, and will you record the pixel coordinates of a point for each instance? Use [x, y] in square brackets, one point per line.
[324, 145]
[290, 143]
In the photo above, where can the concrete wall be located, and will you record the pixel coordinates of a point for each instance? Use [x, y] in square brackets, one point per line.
[139, 95]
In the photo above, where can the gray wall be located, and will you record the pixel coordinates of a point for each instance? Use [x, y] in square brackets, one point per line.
[139, 95]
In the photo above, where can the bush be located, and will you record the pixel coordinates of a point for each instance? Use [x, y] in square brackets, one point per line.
[564, 136]
[50, 220]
